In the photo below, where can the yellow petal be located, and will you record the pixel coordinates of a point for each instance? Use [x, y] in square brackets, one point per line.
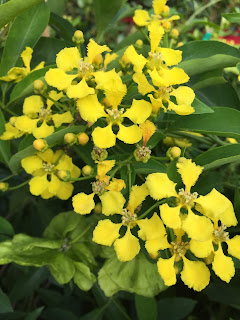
[157, 104]
[64, 161]
[103, 167]
[158, 80]
[75, 172]
[144, 86]
[152, 228]
[131, 134]
[216, 206]
[174, 76]
[184, 95]
[171, 216]
[46, 194]
[234, 246]
[65, 191]
[106, 232]
[156, 33]
[31, 164]
[141, 18]
[59, 119]
[10, 132]
[54, 184]
[195, 274]
[201, 249]
[81, 90]
[15, 74]
[38, 185]
[182, 110]
[109, 57]
[55, 96]
[26, 124]
[83, 203]
[90, 108]
[32, 104]
[189, 172]
[116, 185]
[167, 271]
[94, 49]
[158, 6]
[27, 57]
[59, 79]
[43, 131]
[127, 247]
[170, 56]
[68, 59]
[160, 186]
[136, 59]
[154, 245]
[47, 155]
[148, 129]
[112, 202]
[38, 67]
[223, 266]
[139, 111]
[104, 137]
[137, 195]
[197, 227]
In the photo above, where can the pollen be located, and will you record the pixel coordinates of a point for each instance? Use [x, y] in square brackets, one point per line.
[128, 218]
[220, 235]
[186, 198]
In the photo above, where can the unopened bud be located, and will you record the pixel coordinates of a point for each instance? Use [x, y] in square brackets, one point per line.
[70, 138]
[83, 138]
[174, 33]
[142, 154]
[39, 86]
[78, 37]
[99, 154]
[139, 44]
[64, 175]
[166, 25]
[40, 145]
[98, 208]
[87, 170]
[124, 62]
[181, 159]
[98, 59]
[180, 44]
[174, 153]
[106, 102]
[4, 186]
[165, 11]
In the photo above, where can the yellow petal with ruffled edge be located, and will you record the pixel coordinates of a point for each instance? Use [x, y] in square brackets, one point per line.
[144, 86]
[184, 95]
[141, 18]
[32, 104]
[59, 79]
[38, 185]
[65, 191]
[26, 124]
[137, 195]
[10, 132]
[47, 155]
[106, 232]
[15, 74]
[216, 206]
[127, 247]
[182, 110]
[103, 167]
[59, 119]
[171, 216]
[148, 129]
[109, 57]
[116, 185]
[154, 245]
[158, 6]
[157, 104]
[223, 266]
[160, 186]
[201, 249]
[38, 67]
[189, 172]
[156, 33]
[167, 271]
[136, 59]
[195, 274]
[90, 108]
[27, 57]
[31, 164]
[54, 184]
[170, 56]
[104, 137]
[139, 111]
[130, 135]
[83, 203]
[55, 96]
[68, 59]
[81, 90]
[94, 49]
[157, 79]
[234, 246]
[112, 203]
[43, 131]
[75, 172]
[152, 228]
[174, 76]
[197, 227]
[64, 161]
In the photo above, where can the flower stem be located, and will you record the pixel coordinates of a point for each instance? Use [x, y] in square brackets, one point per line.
[19, 185]
[151, 208]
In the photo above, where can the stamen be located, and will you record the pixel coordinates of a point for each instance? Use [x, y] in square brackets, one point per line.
[44, 113]
[128, 218]
[179, 249]
[220, 235]
[187, 198]
[48, 167]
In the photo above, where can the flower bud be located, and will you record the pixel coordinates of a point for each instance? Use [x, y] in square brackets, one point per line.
[87, 170]
[98, 208]
[4, 186]
[124, 62]
[174, 153]
[180, 44]
[106, 102]
[181, 159]
[98, 59]
[139, 44]
[40, 145]
[142, 154]
[39, 86]
[166, 25]
[174, 33]
[83, 139]
[165, 12]
[64, 175]
[99, 154]
[70, 138]
[78, 37]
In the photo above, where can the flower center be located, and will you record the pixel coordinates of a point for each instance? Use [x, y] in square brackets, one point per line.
[164, 93]
[156, 17]
[98, 187]
[128, 218]
[48, 167]
[85, 69]
[220, 235]
[186, 198]
[115, 115]
[44, 114]
[179, 248]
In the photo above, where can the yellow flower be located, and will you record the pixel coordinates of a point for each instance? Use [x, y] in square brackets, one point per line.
[44, 167]
[10, 131]
[16, 74]
[107, 233]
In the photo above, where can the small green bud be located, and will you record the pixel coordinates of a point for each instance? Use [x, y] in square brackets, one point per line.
[142, 154]
[99, 154]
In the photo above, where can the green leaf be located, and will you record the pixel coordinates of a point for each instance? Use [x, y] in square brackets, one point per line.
[55, 138]
[204, 56]
[224, 293]
[150, 167]
[62, 268]
[34, 315]
[138, 275]
[200, 107]
[62, 26]
[223, 122]
[175, 308]
[146, 308]
[6, 227]
[11, 9]
[232, 17]
[105, 12]
[208, 79]
[4, 145]
[155, 139]
[57, 6]
[219, 156]
[5, 304]
[83, 277]
[25, 31]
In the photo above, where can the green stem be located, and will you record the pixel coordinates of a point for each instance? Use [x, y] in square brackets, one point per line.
[218, 141]
[165, 40]
[144, 34]
[159, 158]
[59, 105]
[82, 178]
[80, 235]
[129, 178]
[19, 186]
[151, 208]
[7, 178]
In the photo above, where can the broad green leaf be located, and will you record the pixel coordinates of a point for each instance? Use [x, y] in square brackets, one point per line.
[150, 167]
[23, 242]
[34, 315]
[138, 275]
[83, 277]
[200, 107]
[6, 227]
[155, 139]
[26, 142]
[55, 138]
[62, 268]
[223, 122]
[57, 6]
[224, 293]
[13, 8]
[219, 156]
[146, 308]
[62, 26]
[232, 17]
[204, 56]
[4, 145]
[209, 79]
[5, 304]
[176, 308]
